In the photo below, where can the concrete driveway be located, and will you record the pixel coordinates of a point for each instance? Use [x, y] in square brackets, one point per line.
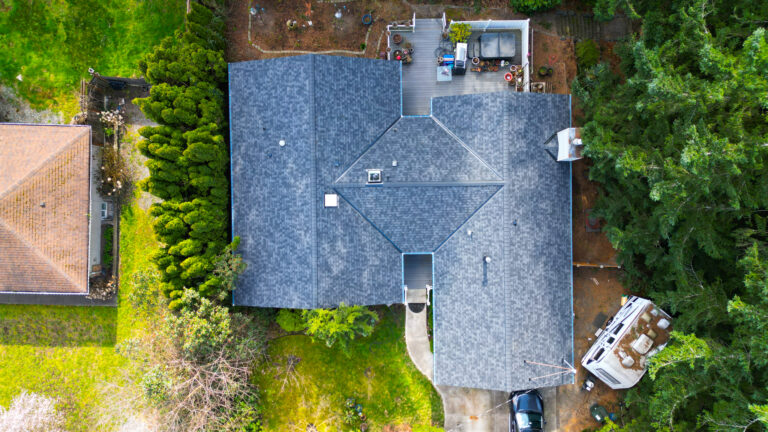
[466, 409]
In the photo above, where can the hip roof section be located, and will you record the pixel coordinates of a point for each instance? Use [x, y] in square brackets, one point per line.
[44, 206]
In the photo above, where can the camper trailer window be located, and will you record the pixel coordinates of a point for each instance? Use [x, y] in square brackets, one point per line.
[618, 328]
[605, 375]
[598, 353]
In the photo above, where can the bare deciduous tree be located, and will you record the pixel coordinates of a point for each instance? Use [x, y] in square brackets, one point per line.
[30, 412]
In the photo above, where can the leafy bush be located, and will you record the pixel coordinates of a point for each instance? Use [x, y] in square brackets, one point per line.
[340, 325]
[187, 155]
[199, 364]
[107, 235]
[531, 6]
[587, 54]
[290, 320]
[460, 32]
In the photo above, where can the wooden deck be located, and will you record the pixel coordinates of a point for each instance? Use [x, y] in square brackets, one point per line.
[420, 77]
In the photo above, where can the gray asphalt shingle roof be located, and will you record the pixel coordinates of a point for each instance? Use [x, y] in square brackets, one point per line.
[471, 180]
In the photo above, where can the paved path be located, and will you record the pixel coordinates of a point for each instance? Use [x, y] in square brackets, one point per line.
[417, 341]
[465, 409]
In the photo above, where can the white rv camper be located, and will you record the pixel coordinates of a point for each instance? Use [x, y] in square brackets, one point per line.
[620, 355]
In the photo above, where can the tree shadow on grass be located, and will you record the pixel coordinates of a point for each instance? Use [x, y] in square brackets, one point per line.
[57, 326]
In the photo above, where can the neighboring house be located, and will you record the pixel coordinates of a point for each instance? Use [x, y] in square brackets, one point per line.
[619, 356]
[338, 197]
[45, 188]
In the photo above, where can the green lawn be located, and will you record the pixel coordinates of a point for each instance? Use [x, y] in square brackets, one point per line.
[68, 352]
[378, 374]
[52, 43]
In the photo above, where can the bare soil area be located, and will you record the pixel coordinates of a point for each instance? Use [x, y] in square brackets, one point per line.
[596, 296]
[269, 29]
[552, 51]
[589, 246]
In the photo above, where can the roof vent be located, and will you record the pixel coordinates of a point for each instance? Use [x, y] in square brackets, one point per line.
[374, 176]
[282, 143]
[642, 344]
[42, 204]
[331, 200]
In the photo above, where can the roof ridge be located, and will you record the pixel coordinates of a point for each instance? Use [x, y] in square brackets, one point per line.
[313, 207]
[40, 255]
[42, 165]
[468, 148]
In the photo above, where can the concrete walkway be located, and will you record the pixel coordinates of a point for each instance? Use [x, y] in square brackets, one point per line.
[465, 409]
[417, 340]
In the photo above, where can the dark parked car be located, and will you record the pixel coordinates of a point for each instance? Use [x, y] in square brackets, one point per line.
[526, 412]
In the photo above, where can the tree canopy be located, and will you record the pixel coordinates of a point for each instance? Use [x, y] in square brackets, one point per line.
[679, 142]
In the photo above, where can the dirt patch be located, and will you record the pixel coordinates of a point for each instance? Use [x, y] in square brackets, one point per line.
[589, 247]
[553, 52]
[269, 29]
[596, 296]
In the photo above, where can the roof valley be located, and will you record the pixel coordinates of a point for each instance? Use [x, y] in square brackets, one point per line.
[468, 148]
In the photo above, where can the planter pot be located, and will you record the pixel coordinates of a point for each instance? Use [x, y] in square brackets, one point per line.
[475, 61]
[367, 19]
[397, 38]
[543, 71]
[550, 71]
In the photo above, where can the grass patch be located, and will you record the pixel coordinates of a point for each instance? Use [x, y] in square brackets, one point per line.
[68, 352]
[378, 373]
[52, 43]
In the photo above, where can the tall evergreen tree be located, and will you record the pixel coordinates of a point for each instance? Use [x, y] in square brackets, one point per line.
[679, 141]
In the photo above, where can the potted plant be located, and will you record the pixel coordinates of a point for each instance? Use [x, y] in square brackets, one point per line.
[543, 71]
[459, 33]
[397, 38]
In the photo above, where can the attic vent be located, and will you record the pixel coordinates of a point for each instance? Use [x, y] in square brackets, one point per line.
[374, 176]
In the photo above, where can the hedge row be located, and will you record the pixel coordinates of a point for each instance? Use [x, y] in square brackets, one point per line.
[187, 152]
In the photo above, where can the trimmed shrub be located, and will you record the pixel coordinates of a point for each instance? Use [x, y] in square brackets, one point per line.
[188, 156]
[106, 254]
[290, 320]
[587, 54]
[340, 325]
[531, 6]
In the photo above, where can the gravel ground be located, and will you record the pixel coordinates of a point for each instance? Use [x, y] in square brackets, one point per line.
[14, 110]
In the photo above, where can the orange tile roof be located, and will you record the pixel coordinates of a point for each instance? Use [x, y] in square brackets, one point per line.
[44, 247]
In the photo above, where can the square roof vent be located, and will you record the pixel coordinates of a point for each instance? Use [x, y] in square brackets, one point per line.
[374, 176]
[331, 200]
